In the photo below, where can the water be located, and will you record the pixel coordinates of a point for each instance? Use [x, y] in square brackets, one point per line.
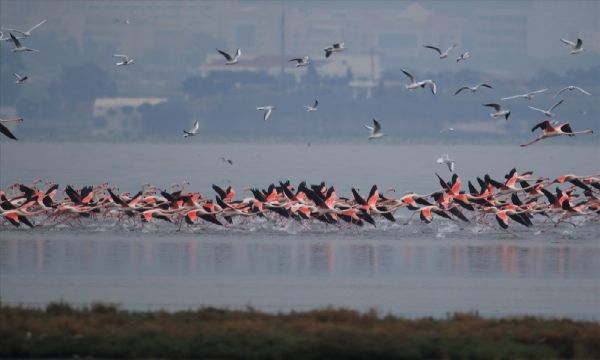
[412, 270]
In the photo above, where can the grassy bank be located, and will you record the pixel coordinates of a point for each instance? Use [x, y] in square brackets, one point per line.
[105, 331]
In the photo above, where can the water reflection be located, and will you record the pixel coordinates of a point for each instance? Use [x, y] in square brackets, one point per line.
[329, 258]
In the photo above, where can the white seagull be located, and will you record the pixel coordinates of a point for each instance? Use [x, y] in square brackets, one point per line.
[312, 108]
[20, 79]
[231, 60]
[304, 61]
[18, 46]
[125, 60]
[375, 130]
[527, 96]
[473, 88]
[267, 109]
[444, 54]
[334, 48]
[450, 129]
[8, 38]
[226, 160]
[463, 56]
[548, 112]
[499, 111]
[577, 47]
[445, 159]
[193, 131]
[421, 84]
[25, 33]
[571, 88]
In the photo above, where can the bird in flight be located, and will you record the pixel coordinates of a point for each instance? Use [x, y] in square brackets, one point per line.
[548, 112]
[444, 54]
[312, 108]
[473, 88]
[18, 47]
[334, 48]
[125, 60]
[421, 84]
[25, 33]
[20, 79]
[557, 130]
[499, 111]
[226, 160]
[576, 47]
[445, 159]
[193, 131]
[231, 60]
[528, 96]
[4, 130]
[300, 62]
[463, 56]
[375, 130]
[267, 109]
[571, 88]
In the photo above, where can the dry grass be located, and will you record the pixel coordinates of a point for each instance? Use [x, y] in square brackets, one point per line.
[105, 331]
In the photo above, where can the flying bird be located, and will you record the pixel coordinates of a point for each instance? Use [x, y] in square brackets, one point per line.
[20, 79]
[375, 130]
[4, 130]
[571, 88]
[444, 54]
[548, 112]
[551, 131]
[125, 60]
[226, 160]
[421, 84]
[267, 109]
[450, 129]
[304, 61]
[18, 47]
[473, 88]
[528, 96]
[499, 111]
[445, 159]
[312, 108]
[193, 131]
[463, 56]
[576, 47]
[25, 33]
[231, 60]
[334, 48]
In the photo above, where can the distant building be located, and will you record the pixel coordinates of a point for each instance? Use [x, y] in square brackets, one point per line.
[120, 116]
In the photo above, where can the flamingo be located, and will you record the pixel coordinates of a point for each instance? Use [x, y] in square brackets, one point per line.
[552, 131]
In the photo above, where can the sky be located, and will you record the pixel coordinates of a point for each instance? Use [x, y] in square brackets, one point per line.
[511, 42]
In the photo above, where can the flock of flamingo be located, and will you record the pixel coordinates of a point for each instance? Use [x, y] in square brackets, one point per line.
[521, 198]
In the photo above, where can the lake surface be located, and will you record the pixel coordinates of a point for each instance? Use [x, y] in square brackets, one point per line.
[412, 270]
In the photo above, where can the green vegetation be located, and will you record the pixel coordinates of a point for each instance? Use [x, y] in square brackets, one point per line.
[106, 331]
